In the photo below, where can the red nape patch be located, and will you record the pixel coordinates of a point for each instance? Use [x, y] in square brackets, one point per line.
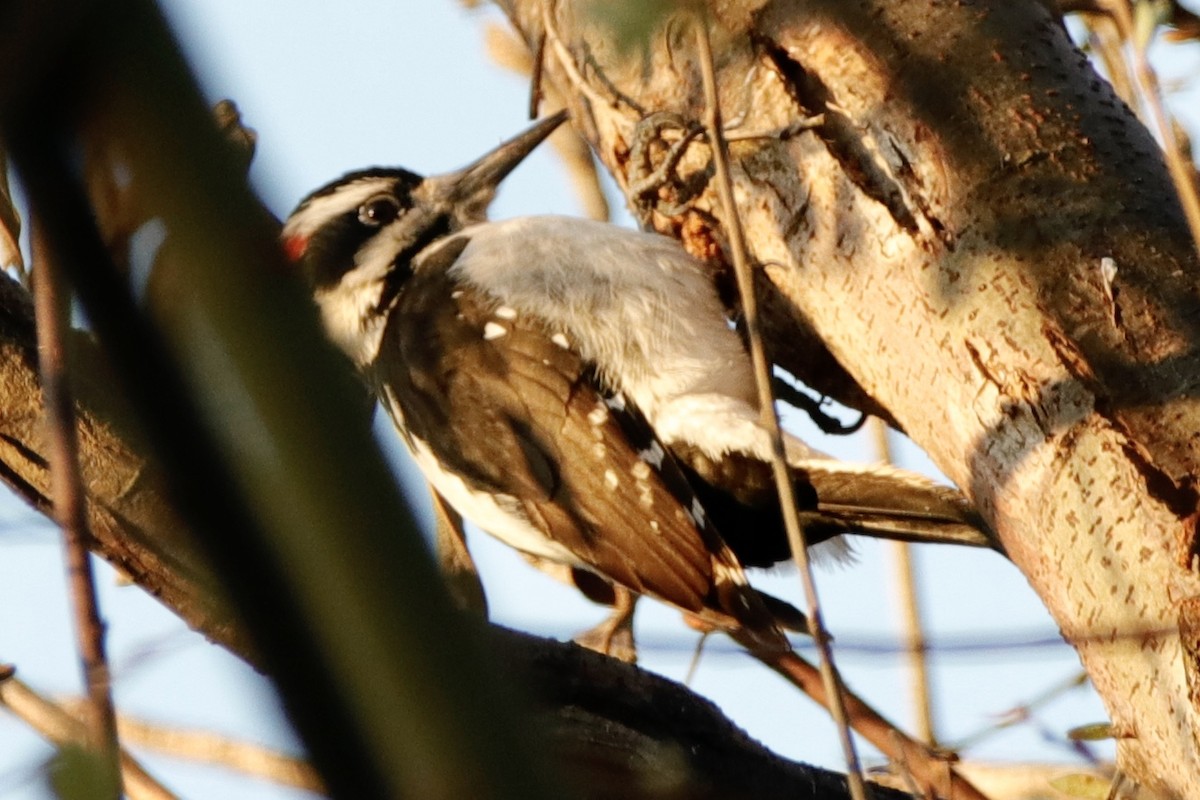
[294, 247]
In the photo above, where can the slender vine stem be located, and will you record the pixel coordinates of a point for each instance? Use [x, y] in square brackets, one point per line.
[70, 510]
[762, 378]
[916, 648]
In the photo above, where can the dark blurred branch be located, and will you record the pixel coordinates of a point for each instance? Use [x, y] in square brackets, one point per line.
[287, 496]
[612, 727]
[622, 732]
[134, 527]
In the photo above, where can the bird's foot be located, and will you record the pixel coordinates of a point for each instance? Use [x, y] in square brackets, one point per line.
[614, 641]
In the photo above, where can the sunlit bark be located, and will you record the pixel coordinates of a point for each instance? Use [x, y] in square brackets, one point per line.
[986, 240]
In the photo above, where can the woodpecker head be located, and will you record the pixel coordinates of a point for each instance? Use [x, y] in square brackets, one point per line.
[355, 240]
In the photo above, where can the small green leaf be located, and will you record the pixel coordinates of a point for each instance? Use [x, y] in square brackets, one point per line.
[632, 23]
[1094, 732]
[77, 773]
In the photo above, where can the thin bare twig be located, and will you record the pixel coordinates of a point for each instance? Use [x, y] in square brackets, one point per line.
[206, 747]
[1023, 711]
[762, 374]
[59, 726]
[916, 649]
[52, 311]
[930, 769]
[509, 52]
[1105, 43]
[567, 62]
[535, 76]
[915, 646]
[1180, 169]
[694, 664]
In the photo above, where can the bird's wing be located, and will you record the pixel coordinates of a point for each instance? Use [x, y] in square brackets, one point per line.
[512, 410]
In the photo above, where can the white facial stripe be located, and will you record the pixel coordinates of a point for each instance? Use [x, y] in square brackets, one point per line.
[320, 210]
[374, 259]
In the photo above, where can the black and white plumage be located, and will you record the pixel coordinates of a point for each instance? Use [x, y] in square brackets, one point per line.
[509, 422]
[522, 361]
[647, 316]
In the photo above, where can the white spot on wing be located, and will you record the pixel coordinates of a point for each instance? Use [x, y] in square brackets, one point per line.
[645, 496]
[457, 293]
[493, 331]
[616, 402]
[641, 470]
[506, 312]
[653, 455]
[1108, 269]
[599, 451]
[697, 512]
[598, 415]
[610, 479]
[561, 340]
[654, 525]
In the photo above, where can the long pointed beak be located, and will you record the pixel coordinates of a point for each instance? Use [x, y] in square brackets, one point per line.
[472, 187]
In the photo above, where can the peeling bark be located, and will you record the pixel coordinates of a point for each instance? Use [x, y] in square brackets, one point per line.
[987, 242]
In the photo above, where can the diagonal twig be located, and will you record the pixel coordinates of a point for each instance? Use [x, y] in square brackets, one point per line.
[52, 313]
[1180, 169]
[770, 419]
[61, 727]
[930, 769]
[508, 52]
[217, 750]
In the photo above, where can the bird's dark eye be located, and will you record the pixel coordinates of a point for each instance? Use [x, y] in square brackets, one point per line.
[378, 211]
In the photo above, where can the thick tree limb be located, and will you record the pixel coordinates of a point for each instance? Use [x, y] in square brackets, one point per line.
[134, 528]
[987, 241]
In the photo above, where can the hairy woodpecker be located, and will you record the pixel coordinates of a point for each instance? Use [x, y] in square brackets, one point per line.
[647, 317]
[522, 360]
[505, 416]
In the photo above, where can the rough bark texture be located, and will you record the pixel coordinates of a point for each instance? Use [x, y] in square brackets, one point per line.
[986, 240]
[133, 526]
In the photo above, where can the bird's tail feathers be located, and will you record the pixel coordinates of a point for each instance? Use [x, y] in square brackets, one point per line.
[785, 615]
[889, 524]
[883, 501]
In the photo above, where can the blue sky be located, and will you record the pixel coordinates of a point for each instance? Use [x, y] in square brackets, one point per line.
[336, 87]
